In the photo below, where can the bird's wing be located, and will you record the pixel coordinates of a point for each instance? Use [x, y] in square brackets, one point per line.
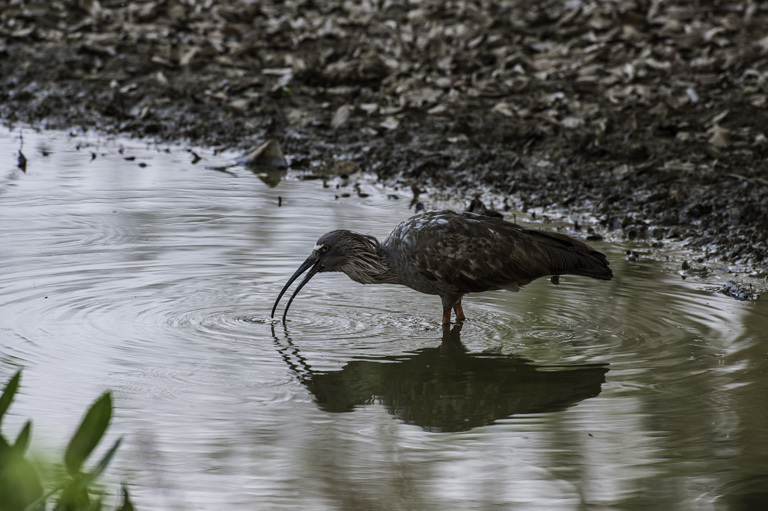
[476, 253]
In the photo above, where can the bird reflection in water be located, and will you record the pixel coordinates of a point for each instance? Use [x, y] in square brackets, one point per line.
[448, 388]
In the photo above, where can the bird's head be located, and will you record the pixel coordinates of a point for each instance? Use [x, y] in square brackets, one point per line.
[345, 251]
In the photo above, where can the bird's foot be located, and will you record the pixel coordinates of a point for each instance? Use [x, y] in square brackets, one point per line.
[459, 314]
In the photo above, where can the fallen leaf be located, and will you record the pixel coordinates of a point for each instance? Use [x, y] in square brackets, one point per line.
[390, 123]
[719, 137]
[341, 116]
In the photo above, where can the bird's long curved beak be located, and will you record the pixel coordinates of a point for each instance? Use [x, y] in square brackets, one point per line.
[313, 265]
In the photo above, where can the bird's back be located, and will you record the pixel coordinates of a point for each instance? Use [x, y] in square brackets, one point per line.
[446, 252]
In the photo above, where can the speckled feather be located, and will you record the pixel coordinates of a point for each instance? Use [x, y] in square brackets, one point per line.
[449, 253]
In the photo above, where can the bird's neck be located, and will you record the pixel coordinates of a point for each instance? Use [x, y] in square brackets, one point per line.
[370, 268]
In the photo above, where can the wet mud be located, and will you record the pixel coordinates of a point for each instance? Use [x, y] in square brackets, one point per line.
[647, 116]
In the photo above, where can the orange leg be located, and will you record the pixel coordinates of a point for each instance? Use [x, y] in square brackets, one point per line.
[459, 312]
[447, 316]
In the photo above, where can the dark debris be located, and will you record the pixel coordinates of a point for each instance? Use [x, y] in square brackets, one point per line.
[739, 291]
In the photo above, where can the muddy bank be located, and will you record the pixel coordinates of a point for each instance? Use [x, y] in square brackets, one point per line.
[651, 116]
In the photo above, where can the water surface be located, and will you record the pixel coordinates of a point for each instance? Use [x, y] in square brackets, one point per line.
[131, 267]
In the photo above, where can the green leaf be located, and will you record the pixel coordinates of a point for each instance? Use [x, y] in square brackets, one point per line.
[89, 434]
[22, 441]
[9, 393]
[74, 496]
[39, 504]
[102, 465]
[20, 483]
[106, 459]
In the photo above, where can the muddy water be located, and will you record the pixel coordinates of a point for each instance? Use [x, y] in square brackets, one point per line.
[126, 266]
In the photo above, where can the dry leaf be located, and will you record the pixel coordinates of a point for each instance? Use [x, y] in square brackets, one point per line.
[719, 137]
[390, 123]
[341, 116]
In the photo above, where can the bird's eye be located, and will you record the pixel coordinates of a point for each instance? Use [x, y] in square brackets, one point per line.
[325, 248]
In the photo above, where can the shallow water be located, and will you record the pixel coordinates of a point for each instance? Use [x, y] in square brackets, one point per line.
[155, 276]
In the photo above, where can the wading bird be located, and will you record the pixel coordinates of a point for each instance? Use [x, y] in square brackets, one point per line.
[451, 254]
